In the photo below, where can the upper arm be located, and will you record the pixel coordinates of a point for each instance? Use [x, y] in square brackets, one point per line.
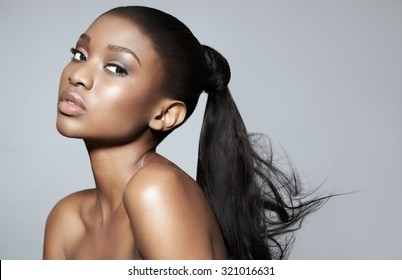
[53, 243]
[61, 227]
[167, 217]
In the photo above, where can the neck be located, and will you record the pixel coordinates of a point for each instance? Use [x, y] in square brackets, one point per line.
[112, 167]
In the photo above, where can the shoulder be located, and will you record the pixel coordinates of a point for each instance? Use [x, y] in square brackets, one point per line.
[159, 186]
[63, 222]
[159, 178]
[168, 213]
[162, 185]
[69, 207]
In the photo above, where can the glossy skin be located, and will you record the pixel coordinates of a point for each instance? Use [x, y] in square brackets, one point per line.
[143, 206]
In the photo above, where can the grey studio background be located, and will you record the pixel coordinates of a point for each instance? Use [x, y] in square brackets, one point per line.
[322, 78]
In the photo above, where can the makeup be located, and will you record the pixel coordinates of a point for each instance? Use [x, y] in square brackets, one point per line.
[70, 103]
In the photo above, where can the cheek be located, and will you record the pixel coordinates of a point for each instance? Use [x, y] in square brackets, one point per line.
[123, 100]
[122, 111]
[131, 98]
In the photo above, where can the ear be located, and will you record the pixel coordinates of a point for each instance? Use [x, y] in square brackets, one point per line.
[169, 114]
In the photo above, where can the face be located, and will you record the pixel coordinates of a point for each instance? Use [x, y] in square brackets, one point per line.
[109, 89]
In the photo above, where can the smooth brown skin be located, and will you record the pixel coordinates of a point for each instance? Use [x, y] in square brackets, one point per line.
[143, 206]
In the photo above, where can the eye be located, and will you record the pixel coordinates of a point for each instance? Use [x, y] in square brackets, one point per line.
[77, 55]
[116, 70]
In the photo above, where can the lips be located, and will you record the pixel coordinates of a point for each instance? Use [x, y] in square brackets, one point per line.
[70, 103]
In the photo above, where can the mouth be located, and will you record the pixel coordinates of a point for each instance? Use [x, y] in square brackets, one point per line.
[70, 103]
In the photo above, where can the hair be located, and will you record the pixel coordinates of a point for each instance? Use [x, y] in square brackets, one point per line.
[257, 205]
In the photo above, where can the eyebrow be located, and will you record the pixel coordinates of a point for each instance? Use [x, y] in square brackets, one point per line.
[114, 48]
[85, 37]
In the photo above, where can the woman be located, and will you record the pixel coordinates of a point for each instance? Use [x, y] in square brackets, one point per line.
[135, 76]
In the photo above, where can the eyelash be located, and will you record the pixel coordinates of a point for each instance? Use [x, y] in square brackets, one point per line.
[74, 51]
[119, 71]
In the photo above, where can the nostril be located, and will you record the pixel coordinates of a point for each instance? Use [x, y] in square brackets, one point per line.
[75, 83]
[72, 82]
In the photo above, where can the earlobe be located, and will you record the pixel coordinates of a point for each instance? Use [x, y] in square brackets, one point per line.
[169, 116]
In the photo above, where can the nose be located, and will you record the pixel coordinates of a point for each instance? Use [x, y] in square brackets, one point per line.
[81, 76]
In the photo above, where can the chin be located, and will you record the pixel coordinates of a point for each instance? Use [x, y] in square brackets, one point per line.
[68, 129]
[68, 133]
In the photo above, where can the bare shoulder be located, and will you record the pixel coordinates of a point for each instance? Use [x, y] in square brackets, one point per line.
[63, 223]
[161, 176]
[73, 201]
[169, 213]
[162, 184]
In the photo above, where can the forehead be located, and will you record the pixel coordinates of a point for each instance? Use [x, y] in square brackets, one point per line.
[116, 30]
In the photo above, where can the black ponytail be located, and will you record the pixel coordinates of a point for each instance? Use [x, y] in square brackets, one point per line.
[256, 204]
